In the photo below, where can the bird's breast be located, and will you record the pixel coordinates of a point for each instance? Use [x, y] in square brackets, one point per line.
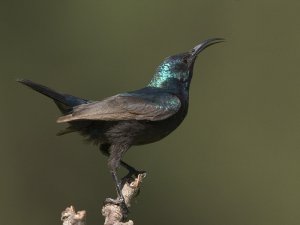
[139, 132]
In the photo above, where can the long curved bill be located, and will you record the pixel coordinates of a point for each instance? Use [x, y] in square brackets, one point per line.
[199, 48]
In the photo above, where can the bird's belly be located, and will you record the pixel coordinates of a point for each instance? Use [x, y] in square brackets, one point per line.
[152, 134]
[141, 132]
[157, 130]
[130, 132]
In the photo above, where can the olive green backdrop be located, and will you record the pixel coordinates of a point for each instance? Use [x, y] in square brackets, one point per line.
[234, 160]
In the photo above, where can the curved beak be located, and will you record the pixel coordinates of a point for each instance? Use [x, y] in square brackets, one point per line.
[199, 48]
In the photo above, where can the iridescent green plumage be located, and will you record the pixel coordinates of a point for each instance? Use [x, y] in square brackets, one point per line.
[172, 68]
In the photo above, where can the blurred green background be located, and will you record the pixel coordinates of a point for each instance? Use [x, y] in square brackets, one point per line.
[234, 160]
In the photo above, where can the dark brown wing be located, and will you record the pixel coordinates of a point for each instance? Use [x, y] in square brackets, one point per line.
[127, 106]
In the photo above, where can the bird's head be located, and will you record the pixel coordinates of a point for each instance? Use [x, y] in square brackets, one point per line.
[178, 69]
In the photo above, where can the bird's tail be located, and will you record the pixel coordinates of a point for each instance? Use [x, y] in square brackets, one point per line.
[64, 102]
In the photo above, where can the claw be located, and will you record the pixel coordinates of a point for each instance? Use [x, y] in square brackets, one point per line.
[135, 173]
[120, 203]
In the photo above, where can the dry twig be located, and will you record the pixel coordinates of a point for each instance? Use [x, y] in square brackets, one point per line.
[112, 212]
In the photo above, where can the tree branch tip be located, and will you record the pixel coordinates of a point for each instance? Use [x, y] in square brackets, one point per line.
[70, 217]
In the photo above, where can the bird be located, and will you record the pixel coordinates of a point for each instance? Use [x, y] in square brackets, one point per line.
[132, 118]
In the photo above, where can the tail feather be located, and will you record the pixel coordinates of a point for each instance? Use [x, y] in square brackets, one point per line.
[64, 102]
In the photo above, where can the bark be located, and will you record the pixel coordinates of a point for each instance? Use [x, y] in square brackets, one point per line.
[112, 213]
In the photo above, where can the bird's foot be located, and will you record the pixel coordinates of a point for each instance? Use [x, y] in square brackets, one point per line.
[121, 204]
[133, 174]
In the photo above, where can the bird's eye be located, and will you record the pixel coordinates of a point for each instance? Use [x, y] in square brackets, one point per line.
[185, 61]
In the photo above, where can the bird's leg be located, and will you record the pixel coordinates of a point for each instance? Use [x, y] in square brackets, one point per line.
[131, 170]
[118, 188]
[120, 200]
[116, 152]
[104, 148]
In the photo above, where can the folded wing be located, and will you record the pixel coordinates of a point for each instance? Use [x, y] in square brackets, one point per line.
[127, 106]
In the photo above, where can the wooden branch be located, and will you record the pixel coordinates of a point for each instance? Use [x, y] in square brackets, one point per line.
[112, 212]
[70, 217]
